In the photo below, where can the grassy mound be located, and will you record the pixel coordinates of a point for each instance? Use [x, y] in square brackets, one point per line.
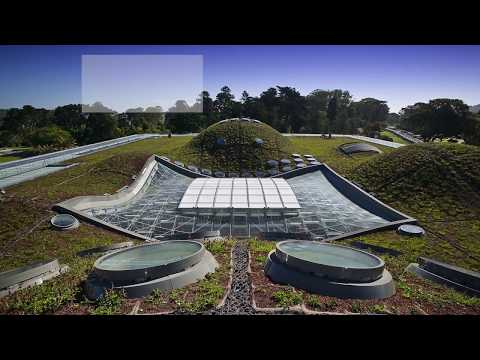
[438, 184]
[444, 175]
[240, 150]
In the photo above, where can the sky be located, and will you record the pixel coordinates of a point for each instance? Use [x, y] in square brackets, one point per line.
[49, 76]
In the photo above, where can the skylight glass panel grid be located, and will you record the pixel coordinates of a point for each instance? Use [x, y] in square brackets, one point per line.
[239, 193]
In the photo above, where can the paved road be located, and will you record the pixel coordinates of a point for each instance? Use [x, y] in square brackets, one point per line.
[356, 137]
[405, 136]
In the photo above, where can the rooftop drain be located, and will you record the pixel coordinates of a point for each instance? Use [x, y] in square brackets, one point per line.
[411, 230]
[64, 222]
[330, 270]
[141, 269]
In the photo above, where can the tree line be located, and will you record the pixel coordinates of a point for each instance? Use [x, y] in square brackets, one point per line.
[282, 107]
[66, 126]
[286, 110]
[439, 119]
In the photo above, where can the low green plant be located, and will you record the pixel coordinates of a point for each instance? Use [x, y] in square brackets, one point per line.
[315, 302]
[356, 307]
[287, 298]
[218, 246]
[263, 246]
[109, 303]
[378, 309]
[157, 297]
[42, 299]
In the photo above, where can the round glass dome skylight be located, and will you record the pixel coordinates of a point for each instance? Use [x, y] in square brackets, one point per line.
[335, 262]
[64, 222]
[150, 261]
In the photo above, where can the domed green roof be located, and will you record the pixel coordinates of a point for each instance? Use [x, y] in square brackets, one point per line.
[233, 145]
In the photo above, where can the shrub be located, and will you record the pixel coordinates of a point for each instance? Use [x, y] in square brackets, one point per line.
[51, 136]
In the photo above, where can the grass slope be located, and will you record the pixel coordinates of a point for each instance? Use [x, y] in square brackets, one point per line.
[239, 151]
[439, 184]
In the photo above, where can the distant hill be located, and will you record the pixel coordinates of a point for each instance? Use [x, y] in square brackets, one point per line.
[475, 109]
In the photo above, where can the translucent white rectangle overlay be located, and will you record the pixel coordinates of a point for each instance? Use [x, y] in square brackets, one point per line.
[142, 83]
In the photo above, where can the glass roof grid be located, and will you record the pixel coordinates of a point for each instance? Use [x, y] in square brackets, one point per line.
[325, 212]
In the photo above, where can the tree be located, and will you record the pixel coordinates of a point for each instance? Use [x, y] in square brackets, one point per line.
[331, 114]
[472, 130]
[438, 119]
[100, 127]
[224, 102]
[51, 136]
[372, 114]
[291, 109]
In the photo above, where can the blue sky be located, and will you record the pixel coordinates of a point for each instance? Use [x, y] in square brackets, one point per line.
[48, 76]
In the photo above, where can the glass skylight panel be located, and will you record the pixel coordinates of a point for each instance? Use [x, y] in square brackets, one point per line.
[239, 193]
[208, 191]
[223, 198]
[255, 191]
[224, 191]
[270, 191]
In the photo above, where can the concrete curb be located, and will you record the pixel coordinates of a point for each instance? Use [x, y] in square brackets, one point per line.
[229, 284]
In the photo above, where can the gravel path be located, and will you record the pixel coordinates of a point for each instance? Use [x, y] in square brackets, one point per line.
[239, 300]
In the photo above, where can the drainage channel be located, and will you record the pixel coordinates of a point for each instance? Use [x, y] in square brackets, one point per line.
[239, 299]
